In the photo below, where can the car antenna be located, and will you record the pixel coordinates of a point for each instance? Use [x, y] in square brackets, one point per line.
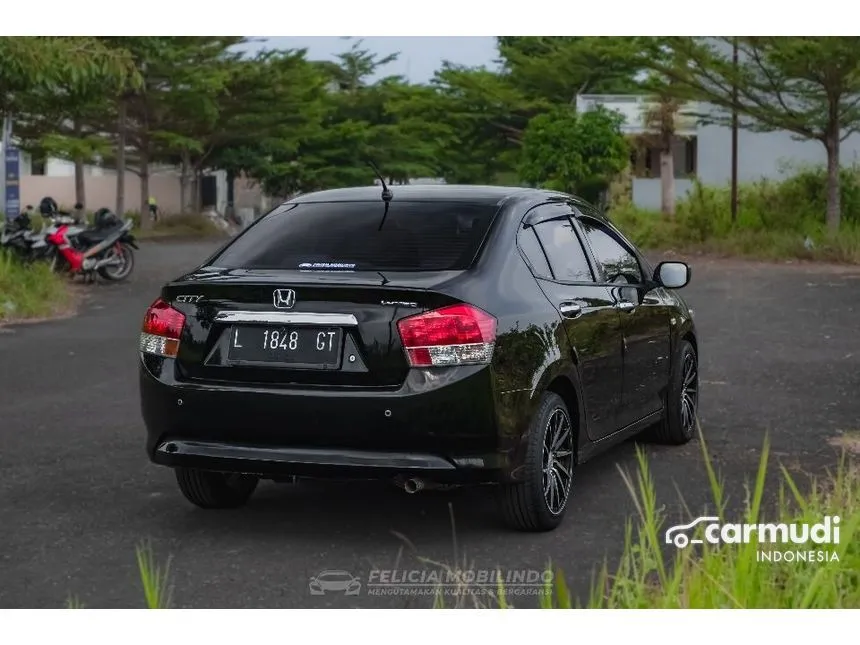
[387, 195]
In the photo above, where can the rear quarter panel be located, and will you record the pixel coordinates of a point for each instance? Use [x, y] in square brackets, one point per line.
[532, 348]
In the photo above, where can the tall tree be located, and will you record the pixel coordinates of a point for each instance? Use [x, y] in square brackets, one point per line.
[661, 127]
[357, 119]
[357, 65]
[27, 63]
[180, 75]
[63, 120]
[809, 86]
[52, 83]
[475, 119]
[557, 69]
[191, 109]
[272, 103]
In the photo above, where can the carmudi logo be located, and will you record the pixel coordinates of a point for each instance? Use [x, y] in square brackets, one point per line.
[823, 533]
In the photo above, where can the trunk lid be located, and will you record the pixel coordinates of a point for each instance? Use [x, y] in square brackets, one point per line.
[357, 311]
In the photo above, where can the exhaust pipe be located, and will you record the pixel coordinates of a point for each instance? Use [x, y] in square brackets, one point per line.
[413, 485]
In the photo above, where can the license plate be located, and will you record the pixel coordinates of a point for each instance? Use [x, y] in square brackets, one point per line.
[298, 347]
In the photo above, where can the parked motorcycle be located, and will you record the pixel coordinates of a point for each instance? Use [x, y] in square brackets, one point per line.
[104, 249]
[18, 237]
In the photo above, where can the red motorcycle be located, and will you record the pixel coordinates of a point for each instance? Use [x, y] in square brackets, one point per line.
[104, 249]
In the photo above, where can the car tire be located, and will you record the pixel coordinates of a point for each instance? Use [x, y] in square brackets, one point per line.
[682, 399]
[208, 489]
[528, 505]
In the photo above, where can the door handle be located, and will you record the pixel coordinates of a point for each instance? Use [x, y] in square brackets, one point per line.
[625, 305]
[570, 309]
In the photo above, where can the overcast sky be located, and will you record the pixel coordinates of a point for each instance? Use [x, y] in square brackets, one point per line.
[419, 57]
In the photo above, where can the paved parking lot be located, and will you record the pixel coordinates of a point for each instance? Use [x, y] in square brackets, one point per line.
[780, 355]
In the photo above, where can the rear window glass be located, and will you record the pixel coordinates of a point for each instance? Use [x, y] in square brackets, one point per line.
[352, 236]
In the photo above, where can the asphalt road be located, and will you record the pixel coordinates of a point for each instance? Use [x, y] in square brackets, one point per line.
[780, 354]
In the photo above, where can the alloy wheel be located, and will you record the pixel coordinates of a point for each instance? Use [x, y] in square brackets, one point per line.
[557, 461]
[689, 393]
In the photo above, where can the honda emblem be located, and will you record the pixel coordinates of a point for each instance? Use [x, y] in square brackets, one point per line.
[284, 298]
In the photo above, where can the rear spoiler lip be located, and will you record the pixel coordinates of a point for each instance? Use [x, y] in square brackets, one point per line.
[410, 280]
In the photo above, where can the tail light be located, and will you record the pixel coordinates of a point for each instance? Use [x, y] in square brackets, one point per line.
[162, 327]
[455, 335]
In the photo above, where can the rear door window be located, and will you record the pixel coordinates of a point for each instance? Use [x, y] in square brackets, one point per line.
[363, 236]
[534, 253]
[564, 250]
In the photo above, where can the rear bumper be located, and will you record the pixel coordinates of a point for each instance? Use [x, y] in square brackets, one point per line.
[268, 461]
[428, 428]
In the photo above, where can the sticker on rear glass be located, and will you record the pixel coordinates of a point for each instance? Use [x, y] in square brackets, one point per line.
[324, 266]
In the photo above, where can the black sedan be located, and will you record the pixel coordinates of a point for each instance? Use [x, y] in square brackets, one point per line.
[434, 336]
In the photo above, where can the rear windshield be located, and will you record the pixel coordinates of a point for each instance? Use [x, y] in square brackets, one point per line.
[352, 236]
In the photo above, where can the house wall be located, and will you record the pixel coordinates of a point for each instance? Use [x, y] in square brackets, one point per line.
[647, 192]
[100, 191]
[761, 154]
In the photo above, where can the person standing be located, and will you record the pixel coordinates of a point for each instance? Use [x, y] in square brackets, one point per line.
[153, 209]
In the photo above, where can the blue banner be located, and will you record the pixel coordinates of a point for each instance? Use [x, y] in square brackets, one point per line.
[12, 207]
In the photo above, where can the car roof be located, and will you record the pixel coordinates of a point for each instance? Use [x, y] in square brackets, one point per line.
[524, 197]
[420, 192]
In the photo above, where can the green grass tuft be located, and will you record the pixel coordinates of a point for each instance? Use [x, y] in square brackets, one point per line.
[30, 290]
[653, 575]
[154, 577]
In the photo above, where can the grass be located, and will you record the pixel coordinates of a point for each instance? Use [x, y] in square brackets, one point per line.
[155, 578]
[186, 225]
[30, 291]
[776, 220]
[650, 230]
[653, 575]
[732, 575]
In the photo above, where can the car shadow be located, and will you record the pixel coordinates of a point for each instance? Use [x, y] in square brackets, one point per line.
[356, 510]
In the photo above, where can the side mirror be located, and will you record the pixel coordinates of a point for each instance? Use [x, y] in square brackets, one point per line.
[672, 275]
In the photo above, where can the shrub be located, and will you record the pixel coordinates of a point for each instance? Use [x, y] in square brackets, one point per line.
[774, 221]
[186, 224]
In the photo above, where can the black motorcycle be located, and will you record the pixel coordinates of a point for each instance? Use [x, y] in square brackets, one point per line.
[18, 238]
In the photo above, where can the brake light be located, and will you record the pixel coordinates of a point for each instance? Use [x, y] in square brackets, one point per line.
[455, 335]
[162, 328]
